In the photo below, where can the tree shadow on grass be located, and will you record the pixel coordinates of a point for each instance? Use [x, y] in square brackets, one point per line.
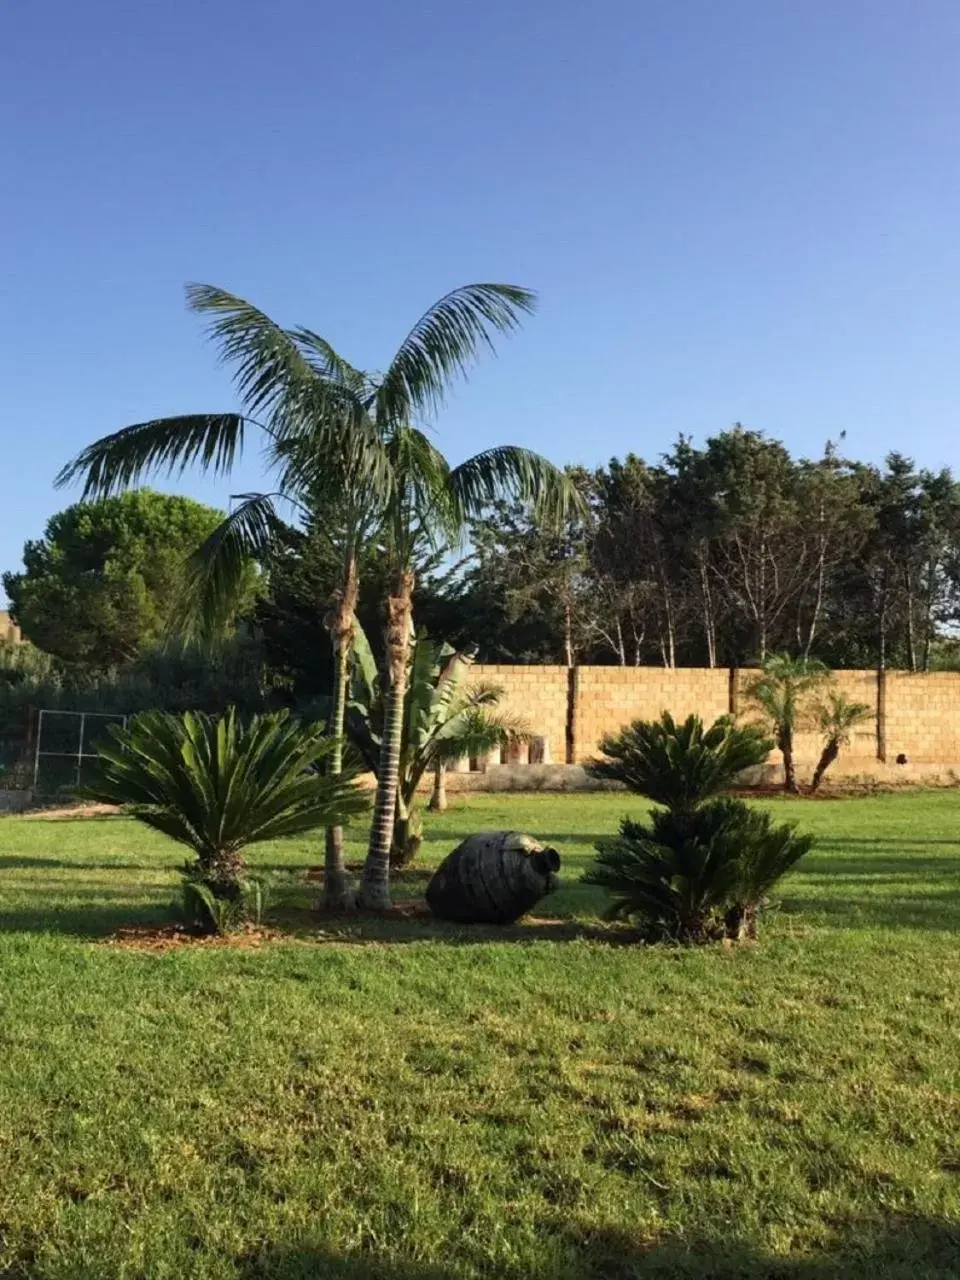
[916, 1249]
[82, 920]
[928, 911]
[77, 864]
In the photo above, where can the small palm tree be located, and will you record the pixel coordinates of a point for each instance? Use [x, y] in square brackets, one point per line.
[220, 785]
[444, 720]
[782, 691]
[680, 765]
[837, 717]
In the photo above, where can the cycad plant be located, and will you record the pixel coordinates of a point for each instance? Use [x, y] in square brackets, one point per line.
[218, 785]
[837, 717]
[332, 429]
[444, 719]
[782, 691]
[699, 867]
[680, 765]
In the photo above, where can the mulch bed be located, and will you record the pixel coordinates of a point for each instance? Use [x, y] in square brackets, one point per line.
[170, 937]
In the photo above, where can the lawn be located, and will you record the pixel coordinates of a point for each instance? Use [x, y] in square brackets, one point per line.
[402, 1101]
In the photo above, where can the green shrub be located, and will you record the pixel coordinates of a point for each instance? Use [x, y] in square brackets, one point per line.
[690, 877]
[680, 765]
[701, 867]
[219, 785]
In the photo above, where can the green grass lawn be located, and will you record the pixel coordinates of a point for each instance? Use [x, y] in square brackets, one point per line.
[402, 1101]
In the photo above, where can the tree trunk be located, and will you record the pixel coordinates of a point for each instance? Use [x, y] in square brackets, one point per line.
[407, 837]
[438, 801]
[785, 743]
[375, 889]
[567, 632]
[911, 637]
[709, 626]
[928, 624]
[338, 892]
[827, 757]
[223, 871]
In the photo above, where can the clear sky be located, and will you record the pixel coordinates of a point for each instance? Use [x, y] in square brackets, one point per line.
[732, 210]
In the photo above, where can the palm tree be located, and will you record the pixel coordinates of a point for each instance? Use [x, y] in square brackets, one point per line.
[781, 691]
[837, 717]
[307, 404]
[445, 719]
[332, 429]
[432, 503]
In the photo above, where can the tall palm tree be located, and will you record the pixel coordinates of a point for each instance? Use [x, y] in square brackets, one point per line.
[330, 428]
[432, 503]
[308, 405]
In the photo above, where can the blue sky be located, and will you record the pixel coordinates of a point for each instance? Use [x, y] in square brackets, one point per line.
[732, 210]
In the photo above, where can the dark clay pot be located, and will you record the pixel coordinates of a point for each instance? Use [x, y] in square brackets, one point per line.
[493, 877]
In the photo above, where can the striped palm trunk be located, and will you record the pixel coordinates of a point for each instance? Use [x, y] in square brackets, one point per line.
[338, 892]
[375, 890]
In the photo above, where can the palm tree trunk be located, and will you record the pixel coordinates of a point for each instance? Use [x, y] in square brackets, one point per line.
[827, 757]
[438, 801]
[375, 889]
[789, 768]
[338, 892]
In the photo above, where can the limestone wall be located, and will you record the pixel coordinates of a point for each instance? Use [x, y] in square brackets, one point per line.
[919, 715]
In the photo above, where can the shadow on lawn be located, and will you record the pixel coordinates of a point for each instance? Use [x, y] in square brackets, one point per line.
[76, 864]
[930, 910]
[83, 920]
[913, 1250]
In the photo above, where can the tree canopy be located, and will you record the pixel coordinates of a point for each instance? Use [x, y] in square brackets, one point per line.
[719, 556]
[99, 587]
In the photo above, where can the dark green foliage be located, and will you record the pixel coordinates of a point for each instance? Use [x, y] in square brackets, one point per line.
[700, 867]
[837, 717]
[219, 785]
[103, 583]
[682, 765]
[695, 875]
[206, 910]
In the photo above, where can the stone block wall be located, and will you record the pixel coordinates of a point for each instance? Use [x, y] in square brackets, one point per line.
[606, 698]
[539, 696]
[917, 716]
[923, 717]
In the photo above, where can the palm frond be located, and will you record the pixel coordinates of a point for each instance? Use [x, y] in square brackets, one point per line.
[220, 785]
[294, 380]
[328, 363]
[217, 570]
[120, 460]
[443, 345]
[680, 765]
[425, 504]
[511, 473]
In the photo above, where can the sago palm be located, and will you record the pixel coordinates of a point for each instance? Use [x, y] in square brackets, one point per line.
[680, 765]
[218, 785]
[696, 875]
[330, 429]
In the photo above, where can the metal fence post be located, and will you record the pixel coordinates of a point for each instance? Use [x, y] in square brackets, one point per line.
[36, 754]
[83, 722]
